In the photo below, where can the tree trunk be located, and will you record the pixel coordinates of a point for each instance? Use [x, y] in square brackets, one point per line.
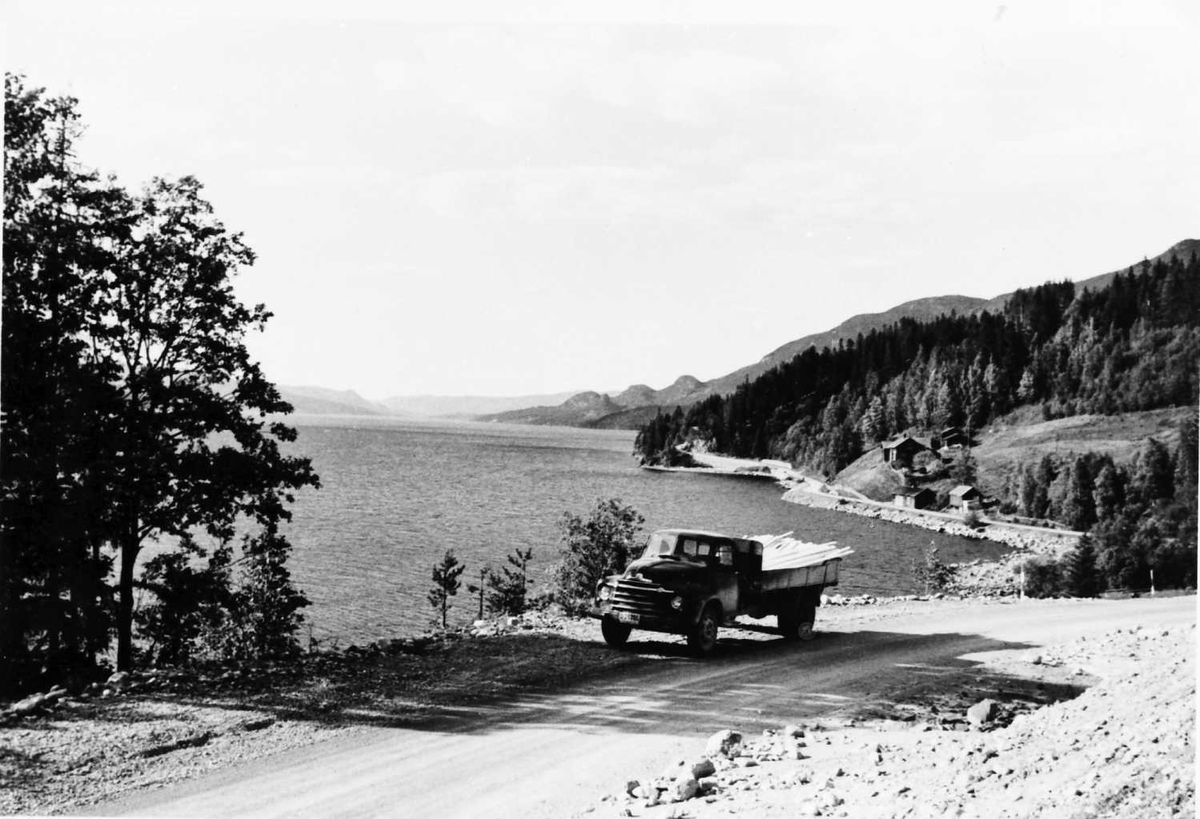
[129, 553]
[13, 633]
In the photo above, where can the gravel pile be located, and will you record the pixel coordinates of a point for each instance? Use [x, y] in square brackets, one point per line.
[1124, 748]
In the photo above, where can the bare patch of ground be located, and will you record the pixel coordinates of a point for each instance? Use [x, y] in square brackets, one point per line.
[171, 726]
[1124, 748]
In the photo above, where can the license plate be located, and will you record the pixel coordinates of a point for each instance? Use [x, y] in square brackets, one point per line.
[627, 617]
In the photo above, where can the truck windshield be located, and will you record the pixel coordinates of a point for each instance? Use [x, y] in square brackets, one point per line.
[659, 544]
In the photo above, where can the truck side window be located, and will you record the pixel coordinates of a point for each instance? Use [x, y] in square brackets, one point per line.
[689, 548]
[704, 550]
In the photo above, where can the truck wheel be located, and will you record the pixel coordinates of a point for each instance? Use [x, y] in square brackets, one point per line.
[703, 636]
[808, 616]
[615, 634]
[796, 621]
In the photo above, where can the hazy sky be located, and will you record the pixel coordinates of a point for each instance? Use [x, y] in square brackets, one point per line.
[444, 203]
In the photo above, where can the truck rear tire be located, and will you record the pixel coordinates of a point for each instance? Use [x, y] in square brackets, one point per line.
[808, 618]
[615, 634]
[703, 636]
[796, 621]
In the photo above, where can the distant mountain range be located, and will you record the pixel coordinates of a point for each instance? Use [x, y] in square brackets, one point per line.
[633, 407]
[323, 401]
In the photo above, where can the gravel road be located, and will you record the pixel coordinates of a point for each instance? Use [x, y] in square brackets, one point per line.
[558, 754]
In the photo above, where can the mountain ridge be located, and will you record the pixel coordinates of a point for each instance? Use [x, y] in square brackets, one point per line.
[687, 390]
[635, 405]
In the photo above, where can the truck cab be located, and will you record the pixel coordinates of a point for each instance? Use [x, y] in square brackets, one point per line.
[680, 575]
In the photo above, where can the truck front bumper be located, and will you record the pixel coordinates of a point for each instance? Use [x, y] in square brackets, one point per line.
[671, 621]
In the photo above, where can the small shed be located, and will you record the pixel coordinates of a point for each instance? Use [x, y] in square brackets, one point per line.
[900, 452]
[965, 498]
[921, 498]
[953, 436]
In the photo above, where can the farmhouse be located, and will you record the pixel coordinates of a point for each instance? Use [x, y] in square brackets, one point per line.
[921, 498]
[900, 452]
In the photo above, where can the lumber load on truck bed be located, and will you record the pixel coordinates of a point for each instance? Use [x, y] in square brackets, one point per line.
[785, 552]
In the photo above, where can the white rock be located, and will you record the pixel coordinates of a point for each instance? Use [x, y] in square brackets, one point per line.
[725, 743]
[682, 789]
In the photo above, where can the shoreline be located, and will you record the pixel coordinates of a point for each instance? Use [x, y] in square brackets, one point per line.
[977, 578]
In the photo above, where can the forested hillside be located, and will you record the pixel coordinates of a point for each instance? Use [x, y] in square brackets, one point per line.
[1131, 346]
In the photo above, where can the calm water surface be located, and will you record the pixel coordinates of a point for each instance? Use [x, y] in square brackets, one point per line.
[396, 494]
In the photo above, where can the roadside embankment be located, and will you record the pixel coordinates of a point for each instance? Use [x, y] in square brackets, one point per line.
[1025, 538]
[1123, 748]
[807, 491]
[977, 578]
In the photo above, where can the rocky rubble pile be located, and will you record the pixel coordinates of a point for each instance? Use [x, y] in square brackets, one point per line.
[717, 771]
[1124, 748]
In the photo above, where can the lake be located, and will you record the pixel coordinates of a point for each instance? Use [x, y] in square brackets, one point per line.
[397, 493]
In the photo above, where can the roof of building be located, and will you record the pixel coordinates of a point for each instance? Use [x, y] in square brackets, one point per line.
[913, 491]
[962, 490]
[897, 442]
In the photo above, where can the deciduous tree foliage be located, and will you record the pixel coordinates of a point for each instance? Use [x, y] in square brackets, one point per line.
[132, 409]
[594, 547]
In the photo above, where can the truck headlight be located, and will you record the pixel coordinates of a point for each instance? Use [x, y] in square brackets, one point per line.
[605, 592]
[677, 602]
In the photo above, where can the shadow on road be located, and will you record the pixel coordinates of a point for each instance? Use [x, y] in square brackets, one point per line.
[655, 686]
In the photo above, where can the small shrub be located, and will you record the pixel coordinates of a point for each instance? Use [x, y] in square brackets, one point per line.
[1043, 577]
[972, 518]
[933, 574]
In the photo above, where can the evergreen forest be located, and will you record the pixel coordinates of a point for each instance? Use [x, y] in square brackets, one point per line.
[1127, 347]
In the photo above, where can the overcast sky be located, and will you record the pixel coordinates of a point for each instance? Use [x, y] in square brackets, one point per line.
[447, 204]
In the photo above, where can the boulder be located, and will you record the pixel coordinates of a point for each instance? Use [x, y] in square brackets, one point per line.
[702, 768]
[682, 788]
[26, 706]
[982, 712]
[725, 743]
[120, 681]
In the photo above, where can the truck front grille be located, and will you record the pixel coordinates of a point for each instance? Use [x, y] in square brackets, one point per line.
[640, 596]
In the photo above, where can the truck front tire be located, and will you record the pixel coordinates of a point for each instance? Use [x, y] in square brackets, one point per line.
[703, 636]
[615, 634]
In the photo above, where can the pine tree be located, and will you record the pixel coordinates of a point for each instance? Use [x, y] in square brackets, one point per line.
[1043, 479]
[445, 584]
[1108, 493]
[1155, 474]
[508, 589]
[1082, 577]
[1079, 510]
[874, 425]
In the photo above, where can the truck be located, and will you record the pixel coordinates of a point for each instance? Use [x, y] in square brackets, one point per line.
[693, 582]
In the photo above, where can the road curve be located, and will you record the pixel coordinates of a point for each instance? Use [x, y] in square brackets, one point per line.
[551, 756]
